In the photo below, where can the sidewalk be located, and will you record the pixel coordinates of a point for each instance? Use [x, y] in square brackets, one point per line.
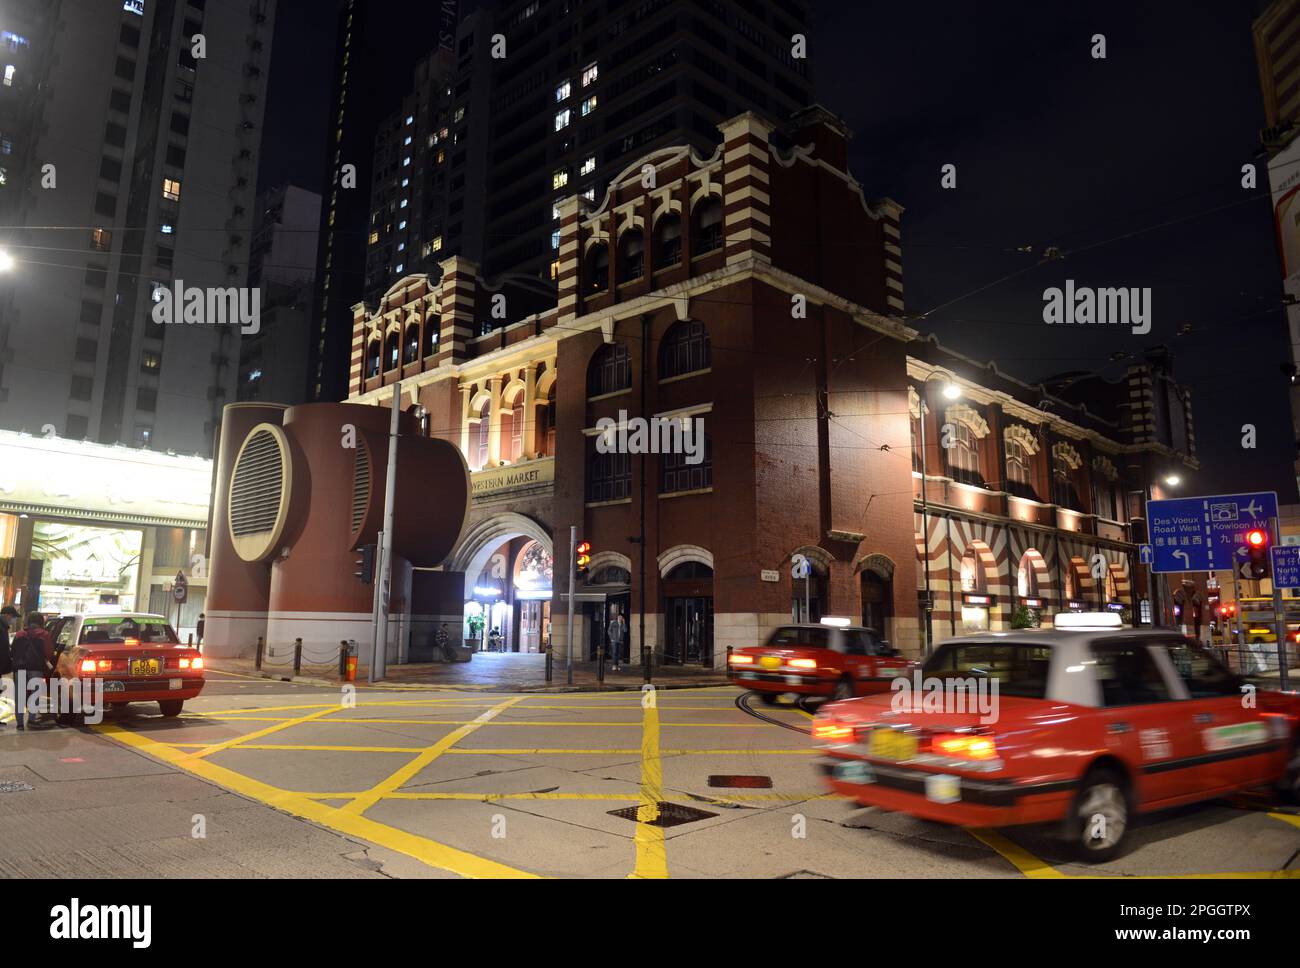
[486, 671]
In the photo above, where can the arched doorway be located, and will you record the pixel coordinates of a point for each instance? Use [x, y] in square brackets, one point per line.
[502, 570]
[687, 593]
[876, 579]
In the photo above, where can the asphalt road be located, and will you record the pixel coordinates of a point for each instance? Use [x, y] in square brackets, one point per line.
[297, 780]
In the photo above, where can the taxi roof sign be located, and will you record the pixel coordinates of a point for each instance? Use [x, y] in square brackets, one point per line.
[1087, 620]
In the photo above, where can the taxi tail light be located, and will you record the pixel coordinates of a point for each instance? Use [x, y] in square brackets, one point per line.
[802, 663]
[735, 658]
[832, 731]
[965, 746]
[87, 665]
[188, 662]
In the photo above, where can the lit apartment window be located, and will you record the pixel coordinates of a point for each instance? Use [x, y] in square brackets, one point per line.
[9, 75]
[101, 239]
[442, 155]
[400, 267]
[559, 178]
[403, 203]
[166, 229]
[374, 237]
[437, 244]
[588, 166]
[563, 90]
[134, 6]
[406, 161]
[172, 189]
[562, 118]
[589, 74]
[4, 177]
[555, 269]
[588, 105]
[459, 115]
[589, 193]
[401, 226]
[152, 360]
[555, 210]
[401, 247]
[407, 141]
[555, 239]
[410, 119]
[405, 182]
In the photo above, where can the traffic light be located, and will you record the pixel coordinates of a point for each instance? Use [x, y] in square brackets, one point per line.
[366, 564]
[1257, 550]
[582, 557]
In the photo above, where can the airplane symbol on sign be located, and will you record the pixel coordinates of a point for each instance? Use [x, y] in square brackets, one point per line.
[1253, 508]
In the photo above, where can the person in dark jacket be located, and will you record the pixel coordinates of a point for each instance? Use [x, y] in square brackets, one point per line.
[8, 618]
[33, 660]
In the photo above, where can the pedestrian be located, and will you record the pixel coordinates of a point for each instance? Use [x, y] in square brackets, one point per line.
[33, 661]
[442, 640]
[198, 629]
[8, 617]
[494, 640]
[617, 635]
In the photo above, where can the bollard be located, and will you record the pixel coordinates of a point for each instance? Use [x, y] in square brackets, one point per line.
[297, 656]
[189, 640]
[600, 665]
[261, 645]
[647, 656]
[343, 658]
[549, 663]
[350, 663]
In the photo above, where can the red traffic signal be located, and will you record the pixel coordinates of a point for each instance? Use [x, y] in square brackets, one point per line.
[1257, 550]
[582, 556]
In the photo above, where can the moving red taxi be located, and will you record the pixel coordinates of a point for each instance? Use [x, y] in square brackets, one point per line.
[1092, 725]
[137, 655]
[837, 661]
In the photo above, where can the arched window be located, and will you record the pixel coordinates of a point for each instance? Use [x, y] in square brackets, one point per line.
[390, 351]
[681, 469]
[631, 256]
[685, 349]
[668, 241]
[610, 370]
[512, 430]
[1063, 492]
[708, 226]
[598, 268]
[1020, 480]
[478, 438]
[963, 456]
[372, 358]
[609, 476]
[411, 349]
[546, 429]
[431, 334]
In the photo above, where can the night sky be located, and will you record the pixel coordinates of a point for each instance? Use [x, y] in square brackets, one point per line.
[1129, 165]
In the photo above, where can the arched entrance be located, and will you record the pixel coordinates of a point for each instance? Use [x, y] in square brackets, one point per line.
[876, 578]
[505, 566]
[686, 590]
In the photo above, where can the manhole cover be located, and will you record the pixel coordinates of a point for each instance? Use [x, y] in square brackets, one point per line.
[740, 781]
[14, 786]
[670, 814]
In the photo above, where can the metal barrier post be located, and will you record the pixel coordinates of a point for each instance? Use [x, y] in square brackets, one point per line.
[297, 656]
[343, 658]
[550, 663]
[261, 646]
[600, 664]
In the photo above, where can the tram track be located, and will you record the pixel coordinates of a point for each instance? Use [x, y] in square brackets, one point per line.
[743, 703]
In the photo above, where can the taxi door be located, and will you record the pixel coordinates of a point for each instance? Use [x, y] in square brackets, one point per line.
[1141, 722]
[1227, 735]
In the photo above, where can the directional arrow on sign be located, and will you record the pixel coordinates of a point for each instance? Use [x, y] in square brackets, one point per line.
[1187, 562]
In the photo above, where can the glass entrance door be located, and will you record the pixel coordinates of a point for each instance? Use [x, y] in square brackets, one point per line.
[690, 630]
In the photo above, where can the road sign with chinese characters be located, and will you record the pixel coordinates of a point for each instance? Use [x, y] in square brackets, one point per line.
[1204, 533]
[1286, 566]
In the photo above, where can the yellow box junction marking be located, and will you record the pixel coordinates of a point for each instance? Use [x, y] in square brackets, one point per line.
[651, 852]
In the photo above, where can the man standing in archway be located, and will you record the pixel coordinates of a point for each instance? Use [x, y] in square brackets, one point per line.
[616, 635]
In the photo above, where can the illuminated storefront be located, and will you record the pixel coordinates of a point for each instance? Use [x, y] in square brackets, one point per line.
[512, 595]
[87, 527]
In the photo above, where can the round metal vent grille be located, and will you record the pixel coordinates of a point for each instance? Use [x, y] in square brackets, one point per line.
[258, 493]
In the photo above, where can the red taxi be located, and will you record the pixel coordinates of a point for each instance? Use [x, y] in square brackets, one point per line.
[138, 656]
[1090, 726]
[838, 661]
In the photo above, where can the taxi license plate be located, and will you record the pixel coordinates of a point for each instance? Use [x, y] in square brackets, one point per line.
[942, 788]
[174, 683]
[892, 744]
[854, 771]
[145, 667]
[770, 662]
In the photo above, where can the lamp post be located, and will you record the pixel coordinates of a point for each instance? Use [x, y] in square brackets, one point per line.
[950, 392]
[1153, 586]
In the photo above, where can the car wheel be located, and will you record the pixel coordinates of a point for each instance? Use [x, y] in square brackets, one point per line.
[769, 698]
[843, 690]
[1099, 817]
[171, 707]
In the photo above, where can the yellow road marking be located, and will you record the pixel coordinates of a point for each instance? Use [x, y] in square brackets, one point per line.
[307, 748]
[259, 733]
[431, 753]
[517, 752]
[421, 848]
[651, 853]
[438, 703]
[1023, 860]
[1290, 818]
[525, 722]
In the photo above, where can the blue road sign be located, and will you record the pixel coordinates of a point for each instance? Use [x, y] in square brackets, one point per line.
[1286, 566]
[1204, 533]
[1146, 554]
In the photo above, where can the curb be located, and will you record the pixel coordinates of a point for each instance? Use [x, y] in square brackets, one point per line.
[453, 687]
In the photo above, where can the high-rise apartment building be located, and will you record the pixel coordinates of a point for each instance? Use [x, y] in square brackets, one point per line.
[135, 133]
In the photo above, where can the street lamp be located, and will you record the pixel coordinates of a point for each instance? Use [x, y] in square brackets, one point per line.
[6, 260]
[950, 392]
[1173, 480]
